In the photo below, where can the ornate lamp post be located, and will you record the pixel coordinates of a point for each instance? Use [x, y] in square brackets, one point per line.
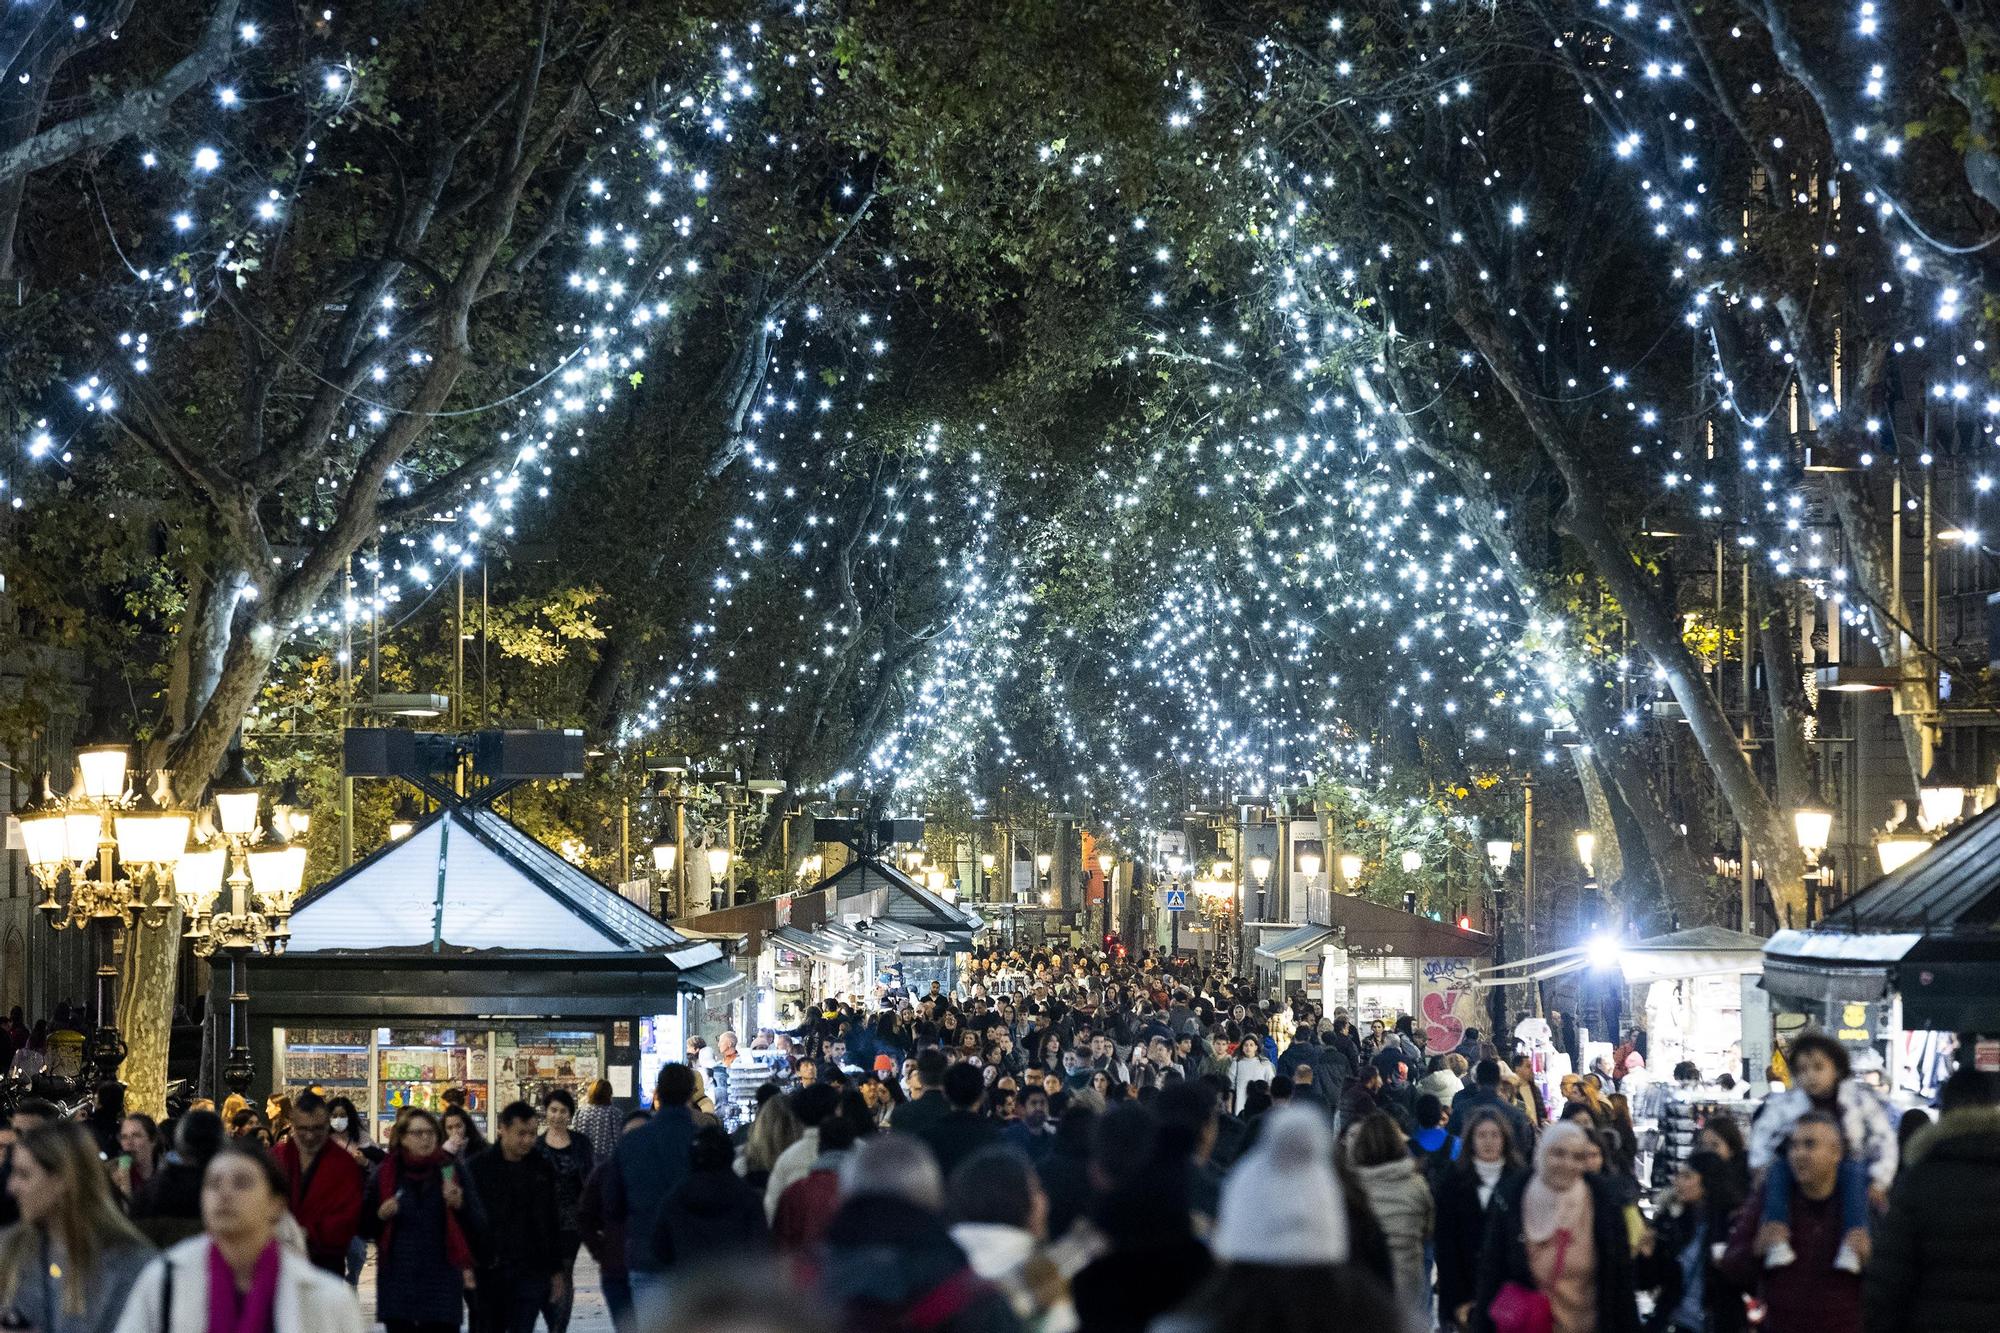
[253, 873]
[114, 850]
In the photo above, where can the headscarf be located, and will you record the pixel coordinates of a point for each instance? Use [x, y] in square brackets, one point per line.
[1545, 1211]
[1282, 1204]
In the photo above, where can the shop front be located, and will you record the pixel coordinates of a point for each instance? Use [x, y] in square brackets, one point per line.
[1907, 964]
[1378, 963]
[468, 956]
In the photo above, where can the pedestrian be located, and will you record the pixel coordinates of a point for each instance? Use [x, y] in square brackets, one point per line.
[1361, 1099]
[462, 1139]
[808, 1204]
[648, 1163]
[1000, 1219]
[1556, 1242]
[1692, 1294]
[605, 1239]
[1434, 1146]
[1281, 1245]
[712, 1214]
[324, 1184]
[1812, 1291]
[927, 1105]
[962, 1130]
[139, 1153]
[887, 1264]
[1250, 1066]
[69, 1263]
[1485, 1094]
[775, 1129]
[1938, 1249]
[571, 1156]
[1464, 1196]
[520, 1263]
[1151, 1261]
[597, 1121]
[811, 1107]
[1439, 1082]
[422, 1219]
[29, 1115]
[237, 1277]
[1824, 1081]
[1400, 1199]
[168, 1209]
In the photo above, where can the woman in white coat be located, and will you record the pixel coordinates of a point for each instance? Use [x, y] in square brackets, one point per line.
[237, 1277]
[1249, 1067]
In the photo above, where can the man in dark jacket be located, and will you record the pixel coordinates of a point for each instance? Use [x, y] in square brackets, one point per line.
[1938, 1251]
[520, 1265]
[644, 1169]
[889, 1263]
[961, 1131]
[1811, 1294]
[928, 1106]
[1485, 1091]
[713, 1213]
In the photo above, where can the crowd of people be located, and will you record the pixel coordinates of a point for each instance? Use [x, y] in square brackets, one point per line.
[1067, 1142]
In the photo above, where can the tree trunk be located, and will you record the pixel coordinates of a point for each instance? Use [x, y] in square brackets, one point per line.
[1784, 689]
[146, 1012]
[1608, 860]
[1767, 828]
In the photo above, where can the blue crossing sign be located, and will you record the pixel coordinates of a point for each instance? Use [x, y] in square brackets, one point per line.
[1177, 900]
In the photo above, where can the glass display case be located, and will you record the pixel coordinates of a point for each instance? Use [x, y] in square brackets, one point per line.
[415, 1066]
[333, 1060]
[531, 1061]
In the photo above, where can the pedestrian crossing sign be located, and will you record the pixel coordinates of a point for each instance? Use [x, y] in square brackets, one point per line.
[1177, 900]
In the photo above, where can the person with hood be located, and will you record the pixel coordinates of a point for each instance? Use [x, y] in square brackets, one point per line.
[1439, 1082]
[887, 1264]
[1464, 1195]
[1933, 1267]
[1558, 1237]
[1281, 1245]
[1000, 1219]
[713, 1213]
[417, 1210]
[1400, 1200]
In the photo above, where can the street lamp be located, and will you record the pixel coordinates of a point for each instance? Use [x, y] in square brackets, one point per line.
[1586, 851]
[1350, 867]
[1413, 861]
[1942, 793]
[1500, 854]
[1106, 864]
[986, 863]
[1814, 824]
[1902, 844]
[1043, 861]
[84, 842]
[402, 822]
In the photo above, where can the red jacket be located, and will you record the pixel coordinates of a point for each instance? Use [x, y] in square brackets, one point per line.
[1808, 1295]
[804, 1210]
[325, 1200]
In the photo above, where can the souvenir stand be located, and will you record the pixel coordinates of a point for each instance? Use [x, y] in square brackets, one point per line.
[467, 955]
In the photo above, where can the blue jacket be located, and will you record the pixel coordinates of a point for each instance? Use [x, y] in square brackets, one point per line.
[644, 1169]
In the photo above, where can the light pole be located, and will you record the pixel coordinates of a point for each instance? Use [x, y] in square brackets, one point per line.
[85, 841]
[1175, 864]
[1107, 865]
[986, 860]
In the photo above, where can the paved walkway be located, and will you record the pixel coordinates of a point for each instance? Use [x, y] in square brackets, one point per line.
[589, 1315]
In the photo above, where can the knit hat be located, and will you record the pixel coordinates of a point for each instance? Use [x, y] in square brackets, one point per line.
[1281, 1204]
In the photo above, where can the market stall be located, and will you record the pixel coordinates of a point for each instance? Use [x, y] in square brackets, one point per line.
[1907, 962]
[467, 955]
[1378, 962]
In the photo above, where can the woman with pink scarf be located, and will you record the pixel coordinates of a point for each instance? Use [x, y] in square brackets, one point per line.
[1556, 1238]
[237, 1277]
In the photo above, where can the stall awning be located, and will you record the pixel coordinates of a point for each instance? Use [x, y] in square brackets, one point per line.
[890, 895]
[814, 943]
[717, 983]
[1703, 951]
[1297, 945]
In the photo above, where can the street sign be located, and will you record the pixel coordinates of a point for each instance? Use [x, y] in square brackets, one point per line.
[1177, 900]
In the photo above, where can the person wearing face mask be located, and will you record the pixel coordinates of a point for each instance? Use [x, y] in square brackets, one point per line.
[324, 1184]
[237, 1277]
[68, 1265]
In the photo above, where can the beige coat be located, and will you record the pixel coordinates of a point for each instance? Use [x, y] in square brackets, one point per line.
[309, 1301]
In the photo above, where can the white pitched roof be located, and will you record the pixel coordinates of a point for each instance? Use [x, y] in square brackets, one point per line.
[499, 888]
